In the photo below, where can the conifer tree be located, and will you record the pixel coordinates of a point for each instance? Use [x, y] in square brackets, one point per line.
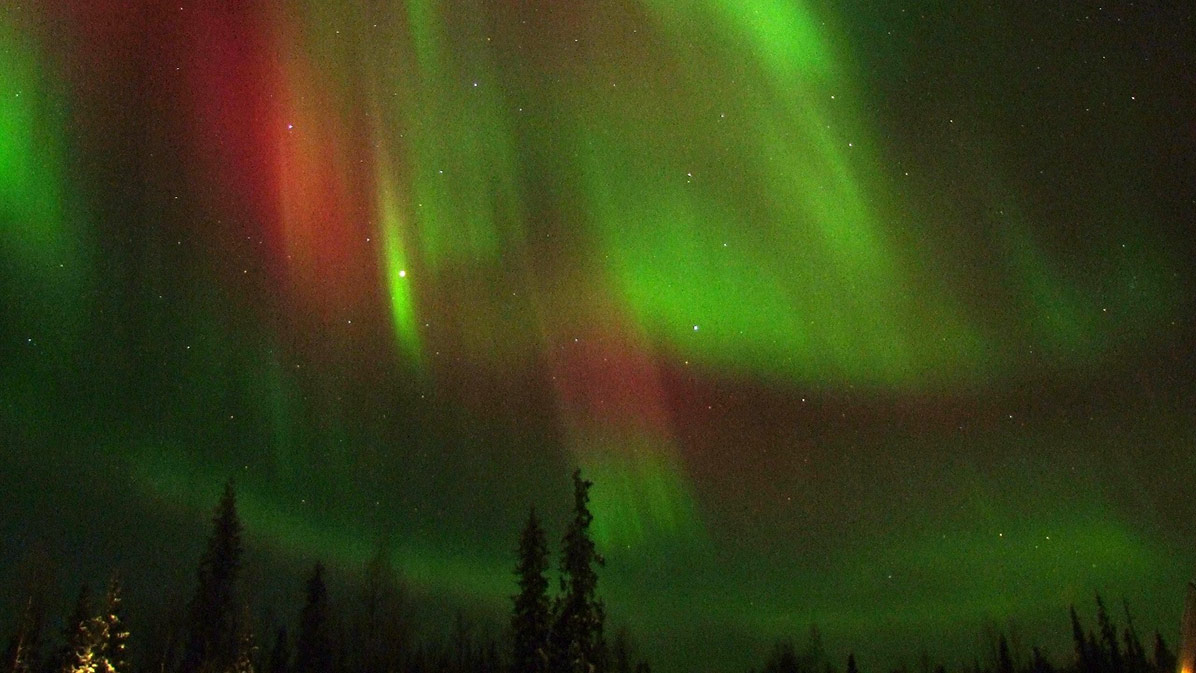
[1004, 660]
[621, 653]
[783, 658]
[1164, 659]
[1109, 645]
[21, 654]
[79, 632]
[382, 633]
[1039, 663]
[1084, 655]
[115, 636]
[1135, 653]
[577, 644]
[313, 646]
[212, 633]
[280, 654]
[246, 646]
[530, 619]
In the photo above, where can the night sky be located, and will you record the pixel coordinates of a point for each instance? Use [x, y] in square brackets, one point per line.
[867, 314]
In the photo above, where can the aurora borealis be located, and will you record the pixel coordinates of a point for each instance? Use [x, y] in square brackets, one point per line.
[877, 316]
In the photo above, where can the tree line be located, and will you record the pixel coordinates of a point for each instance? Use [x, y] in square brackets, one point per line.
[558, 633]
[1107, 648]
[549, 632]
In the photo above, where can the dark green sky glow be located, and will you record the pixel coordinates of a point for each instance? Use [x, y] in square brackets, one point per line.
[873, 316]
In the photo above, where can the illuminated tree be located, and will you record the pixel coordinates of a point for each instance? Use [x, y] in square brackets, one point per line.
[530, 620]
[246, 646]
[114, 635]
[79, 654]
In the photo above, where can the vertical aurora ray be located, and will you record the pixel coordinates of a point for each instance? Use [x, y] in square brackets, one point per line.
[768, 240]
[463, 185]
[44, 227]
[619, 427]
[31, 199]
[394, 259]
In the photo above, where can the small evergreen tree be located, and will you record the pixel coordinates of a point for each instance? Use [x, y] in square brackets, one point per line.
[1004, 660]
[1039, 663]
[212, 632]
[530, 619]
[313, 647]
[577, 644]
[280, 654]
[783, 658]
[621, 654]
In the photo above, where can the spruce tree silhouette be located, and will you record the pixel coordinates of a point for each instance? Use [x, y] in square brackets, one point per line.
[313, 646]
[1164, 659]
[212, 630]
[280, 654]
[1085, 657]
[1004, 660]
[577, 644]
[530, 619]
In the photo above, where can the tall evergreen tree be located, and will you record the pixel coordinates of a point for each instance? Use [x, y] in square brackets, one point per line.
[280, 654]
[79, 634]
[1135, 653]
[1110, 647]
[577, 644]
[1164, 659]
[246, 653]
[1085, 662]
[530, 619]
[313, 646]
[114, 646]
[21, 654]
[212, 631]
[382, 632]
